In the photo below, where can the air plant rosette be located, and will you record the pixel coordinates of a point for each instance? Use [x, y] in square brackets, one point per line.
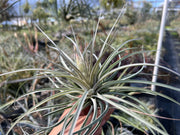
[94, 87]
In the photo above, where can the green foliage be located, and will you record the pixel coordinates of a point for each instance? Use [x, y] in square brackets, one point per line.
[51, 1]
[172, 14]
[40, 13]
[130, 16]
[12, 54]
[26, 7]
[175, 24]
[5, 13]
[13, 58]
[146, 10]
[75, 8]
[146, 33]
[109, 4]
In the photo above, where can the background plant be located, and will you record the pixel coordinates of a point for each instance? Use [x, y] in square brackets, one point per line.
[5, 13]
[11, 59]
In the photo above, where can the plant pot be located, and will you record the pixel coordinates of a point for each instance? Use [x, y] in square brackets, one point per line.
[80, 121]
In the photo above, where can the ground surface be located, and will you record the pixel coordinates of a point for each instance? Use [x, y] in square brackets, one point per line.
[167, 108]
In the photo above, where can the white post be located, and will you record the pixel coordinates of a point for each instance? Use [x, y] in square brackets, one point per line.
[158, 53]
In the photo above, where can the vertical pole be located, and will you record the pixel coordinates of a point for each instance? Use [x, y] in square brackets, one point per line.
[158, 53]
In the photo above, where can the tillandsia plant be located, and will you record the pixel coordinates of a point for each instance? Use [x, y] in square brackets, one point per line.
[94, 87]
